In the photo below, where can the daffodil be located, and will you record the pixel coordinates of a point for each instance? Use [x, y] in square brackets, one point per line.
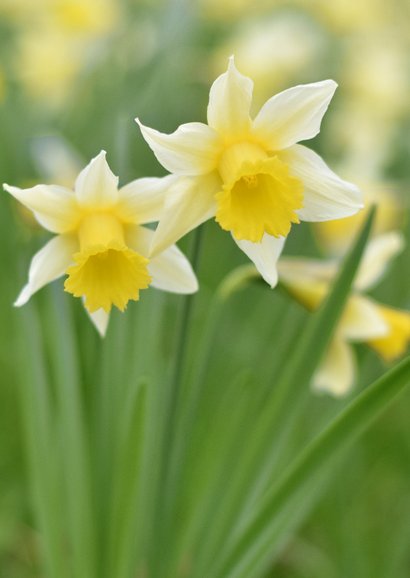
[383, 328]
[250, 174]
[101, 244]
[334, 236]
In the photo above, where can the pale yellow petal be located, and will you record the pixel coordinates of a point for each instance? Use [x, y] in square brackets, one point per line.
[192, 149]
[100, 320]
[264, 255]
[229, 105]
[142, 200]
[293, 115]
[170, 270]
[96, 185]
[361, 320]
[326, 196]
[336, 372]
[54, 207]
[48, 264]
[378, 254]
[189, 202]
[300, 270]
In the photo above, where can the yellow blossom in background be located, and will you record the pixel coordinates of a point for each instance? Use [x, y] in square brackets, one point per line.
[347, 16]
[100, 244]
[47, 64]
[56, 40]
[254, 42]
[383, 328]
[335, 236]
[249, 173]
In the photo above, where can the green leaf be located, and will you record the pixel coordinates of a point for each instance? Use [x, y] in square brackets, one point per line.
[289, 390]
[254, 545]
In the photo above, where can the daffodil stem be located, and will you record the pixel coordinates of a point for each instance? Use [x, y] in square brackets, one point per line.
[184, 323]
[173, 393]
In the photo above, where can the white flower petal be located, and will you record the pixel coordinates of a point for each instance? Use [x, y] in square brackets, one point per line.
[336, 372]
[379, 252]
[96, 184]
[100, 320]
[53, 206]
[294, 114]
[361, 320]
[142, 200]
[170, 270]
[48, 264]
[326, 196]
[192, 149]
[264, 255]
[230, 100]
[189, 203]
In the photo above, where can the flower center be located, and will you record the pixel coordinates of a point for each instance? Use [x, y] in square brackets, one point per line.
[258, 194]
[106, 271]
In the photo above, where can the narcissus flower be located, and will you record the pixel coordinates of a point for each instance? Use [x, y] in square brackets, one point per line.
[250, 174]
[383, 328]
[100, 243]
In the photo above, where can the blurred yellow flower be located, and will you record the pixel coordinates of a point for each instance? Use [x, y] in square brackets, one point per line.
[334, 236]
[47, 63]
[255, 41]
[250, 174]
[383, 328]
[100, 243]
[55, 40]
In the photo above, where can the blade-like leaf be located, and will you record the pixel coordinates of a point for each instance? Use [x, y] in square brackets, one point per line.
[289, 390]
[254, 544]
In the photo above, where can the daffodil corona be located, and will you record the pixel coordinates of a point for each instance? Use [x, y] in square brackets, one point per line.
[100, 243]
[384, 329]
[250, 174]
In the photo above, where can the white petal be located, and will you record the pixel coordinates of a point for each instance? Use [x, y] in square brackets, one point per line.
[48, 264]
[230, 100]
[361, 320]
[193, 149]
[96, 184]
[142, 200]
[336, 373]
[53, 206]
[326, 196]
[379, 252]
[189, 203]
[294, 114]
[170, 270]
[100, 320]
[264, 255]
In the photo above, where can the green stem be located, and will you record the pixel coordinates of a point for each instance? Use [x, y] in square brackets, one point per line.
[173, 392]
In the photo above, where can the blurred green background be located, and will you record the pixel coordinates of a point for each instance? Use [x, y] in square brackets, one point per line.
[73, 76]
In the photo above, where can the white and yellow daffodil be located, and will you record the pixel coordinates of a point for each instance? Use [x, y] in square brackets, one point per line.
[250, 174]
[100, 243]
[383, 328]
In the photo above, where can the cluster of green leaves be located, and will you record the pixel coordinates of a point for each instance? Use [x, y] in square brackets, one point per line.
[152, 453]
